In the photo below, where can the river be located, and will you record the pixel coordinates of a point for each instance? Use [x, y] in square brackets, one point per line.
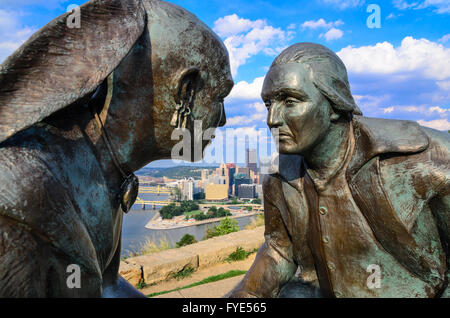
[134, 232]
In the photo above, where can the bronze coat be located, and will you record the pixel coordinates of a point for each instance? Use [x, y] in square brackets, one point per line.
[408, 228]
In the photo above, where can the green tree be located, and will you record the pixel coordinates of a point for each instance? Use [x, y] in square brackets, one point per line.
[225, 227]
[213, 209]
[187, 239]
[222, 212]
[169, 211]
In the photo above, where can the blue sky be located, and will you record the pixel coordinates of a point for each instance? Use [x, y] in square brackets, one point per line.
[401, 70]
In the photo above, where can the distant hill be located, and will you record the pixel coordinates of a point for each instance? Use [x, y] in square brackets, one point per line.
[179, 172]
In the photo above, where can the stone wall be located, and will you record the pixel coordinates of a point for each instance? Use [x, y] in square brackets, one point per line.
[160, 266]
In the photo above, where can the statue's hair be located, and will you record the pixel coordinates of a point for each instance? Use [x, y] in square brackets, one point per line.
[328, 72]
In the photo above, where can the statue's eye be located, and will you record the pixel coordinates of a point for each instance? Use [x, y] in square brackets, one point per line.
[290, 101]
[268, 103]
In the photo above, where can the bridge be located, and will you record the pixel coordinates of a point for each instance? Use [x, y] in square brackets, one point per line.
[155, 190]
[153, 204]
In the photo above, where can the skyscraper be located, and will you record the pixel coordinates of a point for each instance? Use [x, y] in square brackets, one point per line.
[251, 160]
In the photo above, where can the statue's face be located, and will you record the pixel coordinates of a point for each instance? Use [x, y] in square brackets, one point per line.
[209, 102]
[216, 83]
[296, 107]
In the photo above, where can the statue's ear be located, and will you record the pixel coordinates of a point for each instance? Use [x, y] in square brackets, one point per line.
[59, 65]
[337, 91]
[186, 82]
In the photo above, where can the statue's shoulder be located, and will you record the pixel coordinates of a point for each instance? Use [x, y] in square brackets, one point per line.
[378, 136]
[390, 136]
[35, 193]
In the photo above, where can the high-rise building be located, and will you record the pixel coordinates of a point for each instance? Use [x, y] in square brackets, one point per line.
[246, 191]
[243, 170]
[205, 173]
[216, 192]
[231, 172]
[188, 189]
[239, 180]
[251, 160]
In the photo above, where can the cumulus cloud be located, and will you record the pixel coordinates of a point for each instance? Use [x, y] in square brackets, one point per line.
[439, 124]
[12, 33]
[413, 57]
[246, 38]
[321, 23]
[244, 91]
[439, 6]
[232, 25]
[257, 113]
[445, 38]
[333, 34]
[410, 81]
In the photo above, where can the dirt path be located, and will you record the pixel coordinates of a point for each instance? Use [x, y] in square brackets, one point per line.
[200, 275]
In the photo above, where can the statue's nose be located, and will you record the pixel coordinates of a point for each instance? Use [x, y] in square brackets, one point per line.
[223, 117]
[274, 116]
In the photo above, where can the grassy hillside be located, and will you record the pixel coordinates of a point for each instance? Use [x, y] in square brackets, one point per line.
[179, 172]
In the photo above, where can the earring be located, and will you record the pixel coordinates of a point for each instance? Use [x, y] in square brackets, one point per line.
[181, 116]
[334, 117]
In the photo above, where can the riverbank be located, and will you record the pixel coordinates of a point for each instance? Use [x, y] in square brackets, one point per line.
[157, 223]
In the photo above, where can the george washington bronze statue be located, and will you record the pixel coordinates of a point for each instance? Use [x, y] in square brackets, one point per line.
[358, 207]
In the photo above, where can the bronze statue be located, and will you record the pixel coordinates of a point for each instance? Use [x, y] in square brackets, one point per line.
[81, 109]
[359, 207]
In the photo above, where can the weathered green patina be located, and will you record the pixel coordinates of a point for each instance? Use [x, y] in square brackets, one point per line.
[60, 186]
[359, 206]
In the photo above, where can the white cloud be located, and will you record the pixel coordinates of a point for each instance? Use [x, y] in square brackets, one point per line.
[440, 6]
[245, 120]
[246, 38]
[393, 16]
[12, 33]
[333, 34]
[445, 38]
[232, 25]
[246, 91]
[444, 85]
[439, 124]
[344, 4]
[412, 57]
[321, 23]
[438, 110]
[388, 110]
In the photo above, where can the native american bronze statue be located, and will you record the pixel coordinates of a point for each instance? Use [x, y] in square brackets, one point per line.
[353, 197]
[81, 109]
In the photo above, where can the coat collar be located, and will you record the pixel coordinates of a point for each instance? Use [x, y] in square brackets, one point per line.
[373, 137]
[376, 136]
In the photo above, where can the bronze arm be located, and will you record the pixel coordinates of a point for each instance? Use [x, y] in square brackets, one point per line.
[274, 265]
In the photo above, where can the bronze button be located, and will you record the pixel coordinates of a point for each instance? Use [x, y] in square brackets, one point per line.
[331, 266]
[325, 239]
[323, 210]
